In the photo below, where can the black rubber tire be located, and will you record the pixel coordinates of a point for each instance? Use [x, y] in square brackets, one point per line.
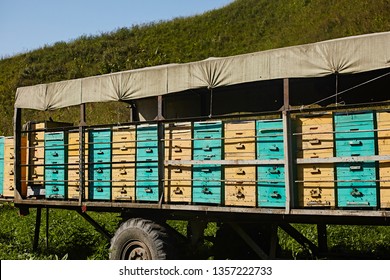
[140, 239]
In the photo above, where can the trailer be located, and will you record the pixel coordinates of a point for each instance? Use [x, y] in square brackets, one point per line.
[253, 142]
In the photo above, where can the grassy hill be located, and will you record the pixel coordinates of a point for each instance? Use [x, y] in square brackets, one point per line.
[241, 27]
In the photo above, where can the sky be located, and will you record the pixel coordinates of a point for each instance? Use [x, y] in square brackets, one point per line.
[26, 25]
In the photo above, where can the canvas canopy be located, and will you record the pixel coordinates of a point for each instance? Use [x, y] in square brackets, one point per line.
[345, 56]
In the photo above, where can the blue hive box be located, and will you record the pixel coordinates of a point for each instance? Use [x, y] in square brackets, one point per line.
[100, 166]
[207, 145]
[147, 184]
[55, 165]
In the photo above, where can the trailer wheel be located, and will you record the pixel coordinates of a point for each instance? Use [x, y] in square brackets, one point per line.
[140, 239]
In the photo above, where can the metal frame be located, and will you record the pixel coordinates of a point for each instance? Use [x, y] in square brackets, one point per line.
[276, 217]
[288, 161]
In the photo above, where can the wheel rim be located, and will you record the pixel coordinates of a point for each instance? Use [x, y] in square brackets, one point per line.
[135, 250]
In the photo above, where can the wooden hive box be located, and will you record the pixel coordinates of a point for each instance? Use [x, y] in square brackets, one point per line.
[207, 178]
[315, 136]
[356, 185]
[56, 171]
[356, 182]
[9, 172]
[123, 163]
[270, 177]
[240, 181]
[316, 187]
[354, 134]
[178, 146]
[73, 165]
[383, 140]
[99, 173]
[147, 163]
[36, 155]
[1, 166]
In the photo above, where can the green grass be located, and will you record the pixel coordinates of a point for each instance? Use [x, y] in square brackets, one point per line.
[241, 27]
[344, 241]
[71, 237]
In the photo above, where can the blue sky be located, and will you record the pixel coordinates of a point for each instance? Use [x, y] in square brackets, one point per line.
[30, 24]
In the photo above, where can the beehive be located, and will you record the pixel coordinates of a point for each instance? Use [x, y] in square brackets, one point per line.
[271, 186]
[383, 126]
[123, 163]
[240, 142]
[9, 170]
[36, 155]
[207, 178]
[240, 181]
[356, 182]
[316, 186]
[178, 146]
[99, 145]
[356, 186]
[240, 185]
[314, 136]
[56, 165]
[1, 166]
[73, 165]
[354, 134]
[147, 163]
[270, 178]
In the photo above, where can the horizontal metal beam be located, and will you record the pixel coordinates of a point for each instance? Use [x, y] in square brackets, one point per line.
[122, 205]
[353, 159]
[225, 162]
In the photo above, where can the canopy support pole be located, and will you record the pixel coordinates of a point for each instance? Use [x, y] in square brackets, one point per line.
[287, 142]
[82, 125]
[18, 153]
[37, 228]
[160, 134]
[322, 238]
[47, 227]
[211, 103]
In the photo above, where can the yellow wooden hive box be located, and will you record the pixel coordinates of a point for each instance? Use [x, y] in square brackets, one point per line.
[9, 170]
[383, 126]
[123, 166]
[240, 180]
[178, 146]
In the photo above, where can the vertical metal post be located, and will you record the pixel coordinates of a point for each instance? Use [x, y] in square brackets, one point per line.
[18, 153]
[287, 142]
[47, 227]
[322, 238]
[134, 112]
[274, 241]
[131, 111]
[336, 88]
[161, 148]
[211, 103]
[82, 152]
[37, 228]
[160, 108]
[203, 105]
